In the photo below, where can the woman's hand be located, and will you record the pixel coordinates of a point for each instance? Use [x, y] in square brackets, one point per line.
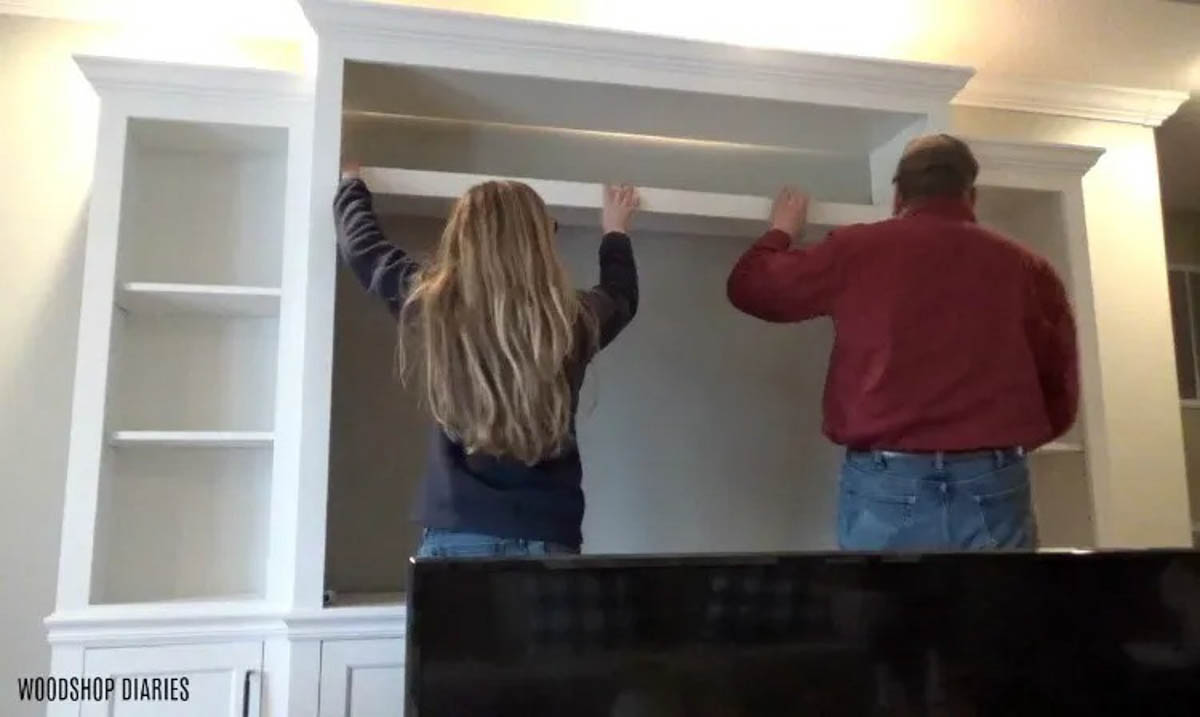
[351, 170]
[620, 201]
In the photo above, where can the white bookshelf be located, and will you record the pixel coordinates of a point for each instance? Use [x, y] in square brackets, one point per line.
[173, 451]
[194, 352]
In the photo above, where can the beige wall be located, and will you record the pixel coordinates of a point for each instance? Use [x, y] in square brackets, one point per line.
[1140, 484]
[47, 141]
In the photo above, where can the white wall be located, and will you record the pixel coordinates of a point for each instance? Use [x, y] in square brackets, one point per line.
[47, 140]
[700, 426]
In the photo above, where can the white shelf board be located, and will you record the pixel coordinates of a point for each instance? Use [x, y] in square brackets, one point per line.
[144, 297]
[194, 439]
[428, 193]
[1061, 447]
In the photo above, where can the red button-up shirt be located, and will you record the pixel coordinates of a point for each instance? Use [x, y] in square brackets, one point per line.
[949, 337]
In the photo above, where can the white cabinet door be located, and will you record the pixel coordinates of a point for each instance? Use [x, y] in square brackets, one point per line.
[362, 678]
[204, 680]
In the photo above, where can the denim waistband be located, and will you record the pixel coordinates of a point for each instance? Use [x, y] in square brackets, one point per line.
[939, 459]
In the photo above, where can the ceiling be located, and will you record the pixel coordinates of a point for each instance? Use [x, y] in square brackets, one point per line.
[1132, 43]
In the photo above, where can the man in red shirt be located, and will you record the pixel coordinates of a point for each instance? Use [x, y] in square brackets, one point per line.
[954, 355]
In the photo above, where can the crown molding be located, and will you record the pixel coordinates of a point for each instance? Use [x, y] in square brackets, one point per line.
[412, 35]
[1131, 105]
[1044, 157]
[488, 42]
[115, 74]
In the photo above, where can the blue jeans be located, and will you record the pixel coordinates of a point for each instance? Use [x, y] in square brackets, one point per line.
[936, 501]
[450, 544]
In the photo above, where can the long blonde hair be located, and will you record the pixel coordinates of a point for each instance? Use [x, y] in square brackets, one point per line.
[494, 320]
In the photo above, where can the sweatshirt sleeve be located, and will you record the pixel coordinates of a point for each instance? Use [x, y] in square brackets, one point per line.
[615, 299]
[776, 283]
[383, 268]
[1055, 350]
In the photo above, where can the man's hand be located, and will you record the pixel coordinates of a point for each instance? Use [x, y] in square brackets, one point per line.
[620, 201]
[790, 212]
[351, 170]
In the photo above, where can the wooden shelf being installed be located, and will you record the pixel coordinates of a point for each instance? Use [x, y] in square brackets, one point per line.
[164, 298]
[428, 193]
[194, 439]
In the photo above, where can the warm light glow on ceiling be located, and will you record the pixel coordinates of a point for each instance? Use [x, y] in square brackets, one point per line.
[271, 34]
[896, 29]
[847, 27]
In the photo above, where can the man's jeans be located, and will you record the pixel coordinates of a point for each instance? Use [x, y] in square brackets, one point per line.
[450, 544]
[936, 501]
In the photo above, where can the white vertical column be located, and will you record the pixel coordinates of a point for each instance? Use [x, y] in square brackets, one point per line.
[282, 562]
[86, 445]
[314, 382]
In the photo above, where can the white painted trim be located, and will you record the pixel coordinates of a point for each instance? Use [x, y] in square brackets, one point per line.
[168, 623]
[1150, 107]
[162, 623]
[117, 74]
[81, 497]
[349, 623]
[404, 34]
[1046, 157]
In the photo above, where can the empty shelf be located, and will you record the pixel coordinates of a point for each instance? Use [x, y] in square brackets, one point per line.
[427, 193]
[194, 439]
[164, 298]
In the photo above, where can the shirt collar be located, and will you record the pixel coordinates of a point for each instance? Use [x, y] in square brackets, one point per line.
[948, 207]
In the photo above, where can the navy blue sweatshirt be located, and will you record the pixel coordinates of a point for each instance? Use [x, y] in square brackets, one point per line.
[486, 494]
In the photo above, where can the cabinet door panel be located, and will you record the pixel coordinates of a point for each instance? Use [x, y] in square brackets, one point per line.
[362, 678]
[222, 680]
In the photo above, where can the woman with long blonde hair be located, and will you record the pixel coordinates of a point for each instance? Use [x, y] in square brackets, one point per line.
[500, 341]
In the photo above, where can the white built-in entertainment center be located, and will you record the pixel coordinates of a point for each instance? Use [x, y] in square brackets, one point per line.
[242, 462]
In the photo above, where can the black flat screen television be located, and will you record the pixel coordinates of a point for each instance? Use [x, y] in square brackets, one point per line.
[1108, 633]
